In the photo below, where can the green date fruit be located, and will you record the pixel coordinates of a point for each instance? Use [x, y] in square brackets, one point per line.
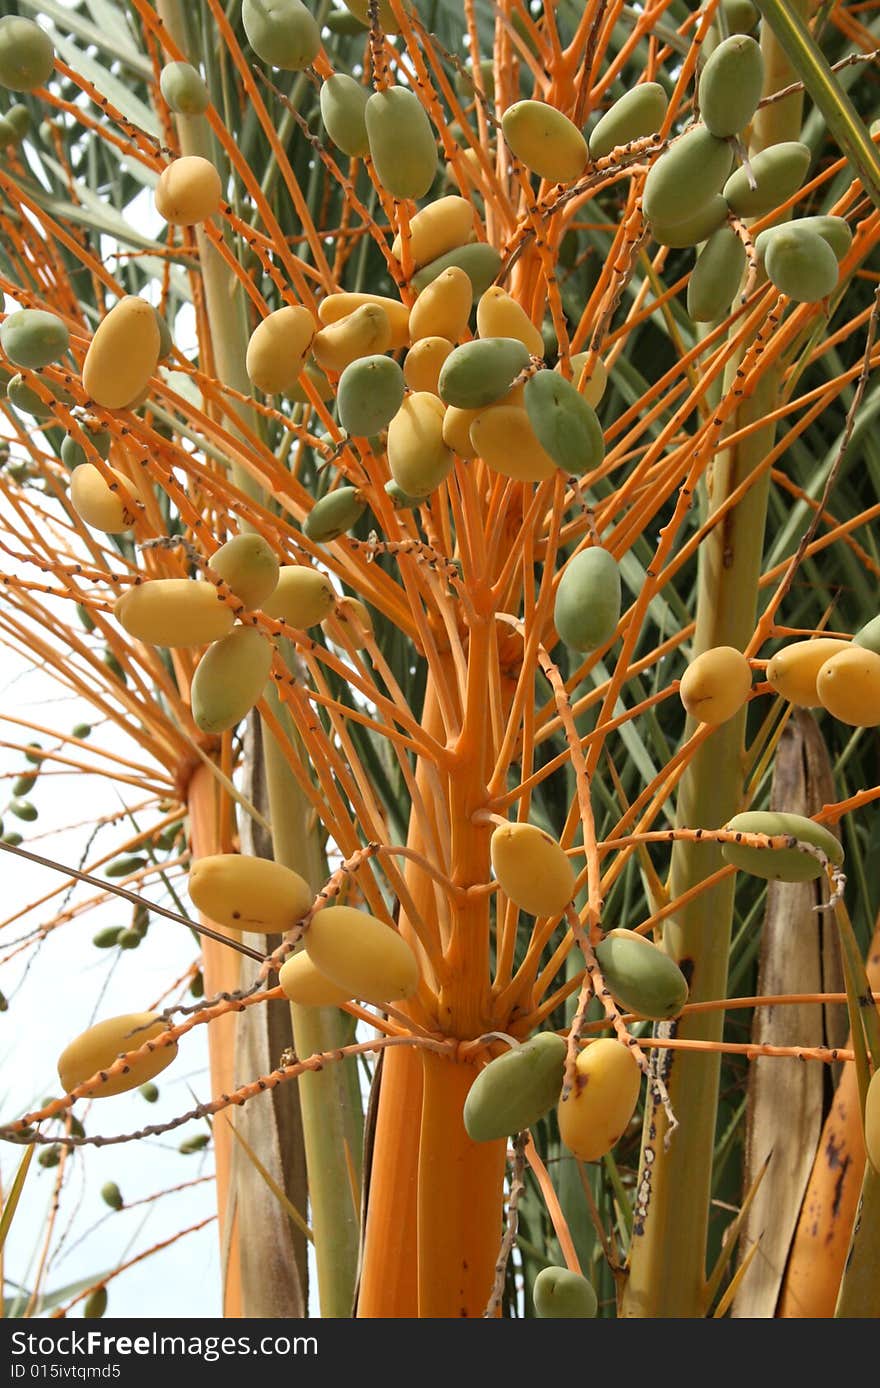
[686, 176]
[716, 276]
[402, 144]
[785, 864]
[637, 113]
[588, 598]
[33, 338]
[478, 373]
[563, 1295]
[334, 514]
[515, 1089]
[731, 84]
[370, 393]
[565, 425]
[778, 172]
[640, 976]
[282, 33]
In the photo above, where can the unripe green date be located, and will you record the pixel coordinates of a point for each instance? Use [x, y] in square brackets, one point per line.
[402, 144]
[478, 373]
[716, 276]
[778, 171]
[801, 264]
[640, 976]
[730, 85]
[282, 33]
[334, 514]
[27, 58]
[784, 864]
[587, 607]
[229, 679]
[686, 177]
[370, 393]
[637, 113]
[343, 102]
[515, 1089]
[480, 262]
[545, 140]
[565, 425]
[184, 89]
[563, 1295]
[33, 338]
[835, 230]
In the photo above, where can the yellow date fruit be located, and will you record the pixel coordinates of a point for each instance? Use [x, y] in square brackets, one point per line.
[417, 456]
[531, 868]
[302, 983]
[848, 686]
[96, 1050]
[499, 315]
[245, 893]
[249, 565]
[123, 354]
[362, 955]
[363, 333]
[174, 612]
[503, 437]
[606, 1089]
[793, 671]
[716, 684]
[189, 191]
[277, 350]
[303, 597]
[443, 307]
[421, 369]
[443, 225]
[111, 509]
[337, 306]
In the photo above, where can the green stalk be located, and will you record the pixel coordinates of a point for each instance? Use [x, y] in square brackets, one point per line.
[667, 1267]
[859, 1296]
[810, 65]
[330, 1101]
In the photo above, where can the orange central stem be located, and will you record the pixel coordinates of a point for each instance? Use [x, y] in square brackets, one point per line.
[221, 970]
[460, 1206]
